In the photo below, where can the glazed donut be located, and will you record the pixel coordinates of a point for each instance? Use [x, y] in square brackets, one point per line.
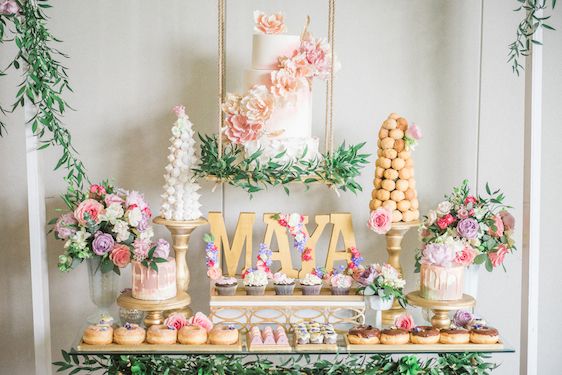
[454, 336]
[98, 335]
[484, 335]
[424, 335]
[364, 335]
[223, 335]
[129, 334]
[395, 336]
[192, 335]
[161, 334]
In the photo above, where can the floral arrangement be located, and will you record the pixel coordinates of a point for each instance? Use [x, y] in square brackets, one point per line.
[112, 224]
[466, 229]
[381, 280]
[295, 224]
[246, 114]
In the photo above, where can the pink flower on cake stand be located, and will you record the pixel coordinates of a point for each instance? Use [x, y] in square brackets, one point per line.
[284, 83]
[380, 220]
[273, 24]
[239, 130]
[258, 104]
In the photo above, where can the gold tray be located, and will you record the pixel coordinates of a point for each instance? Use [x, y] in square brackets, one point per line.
[145, 347]
[424, 348]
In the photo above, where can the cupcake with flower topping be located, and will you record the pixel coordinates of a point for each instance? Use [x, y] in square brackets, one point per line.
[226, 286]
[341, 284]
[283, 285]
[255, 282]
[311, 284]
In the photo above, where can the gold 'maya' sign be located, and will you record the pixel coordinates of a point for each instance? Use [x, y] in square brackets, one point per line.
[232, 250]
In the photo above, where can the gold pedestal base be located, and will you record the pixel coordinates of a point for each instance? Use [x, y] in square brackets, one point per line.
[394, 246]
[440, 309]
[154, 309]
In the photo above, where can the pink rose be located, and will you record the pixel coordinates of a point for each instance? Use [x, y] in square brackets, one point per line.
[462, 213]
[214, 273]
[9, 7]
[258, 104]
[97, 191]
[274, 24]
[442, 222]
[465, 256]
[176, 321]
[414, 132]
[380, 220]
[120, 255]
[239, 130]
[201, 320]
[404, 321]
[498, 223]
[112, 198]
[91, 207]
[498, 256]
[470, 199]
[179, 110]
[508, 220]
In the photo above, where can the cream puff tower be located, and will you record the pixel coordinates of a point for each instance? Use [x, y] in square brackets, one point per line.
[395, 185]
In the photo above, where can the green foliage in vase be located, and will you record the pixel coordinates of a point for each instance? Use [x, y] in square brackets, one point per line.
[339, 169]
[300, 364]
[45, 80]
[526, 30]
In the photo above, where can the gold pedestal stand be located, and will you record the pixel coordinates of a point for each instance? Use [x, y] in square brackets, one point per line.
[440, 309]
[181, 232]
[394, 246]
[154, 309]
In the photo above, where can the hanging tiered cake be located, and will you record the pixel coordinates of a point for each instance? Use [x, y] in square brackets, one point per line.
[275, 113]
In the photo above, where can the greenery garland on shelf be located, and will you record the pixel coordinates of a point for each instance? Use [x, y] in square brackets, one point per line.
[304, 364]
[45, 80]
[339, 169]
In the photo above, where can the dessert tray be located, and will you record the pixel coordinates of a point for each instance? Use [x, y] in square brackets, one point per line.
[329, 348]
[145, 347]
[267, 347]
[422, 348]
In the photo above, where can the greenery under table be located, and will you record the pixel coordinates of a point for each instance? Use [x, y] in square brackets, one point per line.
[416, 362]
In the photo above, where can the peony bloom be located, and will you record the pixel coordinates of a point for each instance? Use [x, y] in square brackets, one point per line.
[134, 198]
[175, 321]
[239, 130]
[231, 105]
[319, 55]
[273, 24]
[110, 199]
[214, 273]
[9, 7]
[438, 254]
[90, 208]
[498, 256]
[179, 110]
[120, 255]
[297, 64]
[498, 223]
[465, 256]
[162, 249]
[414, 132]
[380, 220]
[404, 321]
[102, 243]
[258, 104]
[65, 226]
[134, 216]
[284, 83]
[201, 320]
[508, 220]
[468, 228]
[462, 318]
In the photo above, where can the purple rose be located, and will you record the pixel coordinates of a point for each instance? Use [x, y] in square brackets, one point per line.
[366, 276]
[462, 318]
[65, 226]
[102, 243]
[162, 249]
[468, 228]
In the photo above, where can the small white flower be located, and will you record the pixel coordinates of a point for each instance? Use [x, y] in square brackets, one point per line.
[147, 234]
[134, 216]
[444, 207]
[79, 239]
[112, 213]
[121, 229]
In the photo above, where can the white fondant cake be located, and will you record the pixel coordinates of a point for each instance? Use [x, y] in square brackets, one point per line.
[267, 48]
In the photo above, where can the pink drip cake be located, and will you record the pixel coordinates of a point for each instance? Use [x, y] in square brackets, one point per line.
[441, 283]
[152, 285]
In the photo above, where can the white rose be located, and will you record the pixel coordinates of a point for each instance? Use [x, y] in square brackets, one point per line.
[431, 217]
[134, 216]
[113, 212]
[444, 207]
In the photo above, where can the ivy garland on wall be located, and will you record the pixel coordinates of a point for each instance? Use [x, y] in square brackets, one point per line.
[304, 364]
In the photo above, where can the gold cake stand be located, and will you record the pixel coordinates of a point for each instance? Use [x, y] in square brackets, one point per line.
[154, 309]
[394, 246]
[440, 309]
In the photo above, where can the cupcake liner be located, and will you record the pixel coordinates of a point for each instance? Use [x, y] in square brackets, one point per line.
[310, 290]
[340, 291]
[255, 290]
[284, 289]
[226, 290]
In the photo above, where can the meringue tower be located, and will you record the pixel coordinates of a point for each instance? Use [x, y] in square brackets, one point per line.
[180, 200]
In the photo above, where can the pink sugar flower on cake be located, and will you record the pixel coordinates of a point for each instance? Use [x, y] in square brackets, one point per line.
[284, 83]
[231, 104]
[90, 209]
[404, 321]
[272, 24]
[319, 55]
[438, 254]
[258, 104]
[176, 321]
[380, 220]
[201, 320]
[240, 130]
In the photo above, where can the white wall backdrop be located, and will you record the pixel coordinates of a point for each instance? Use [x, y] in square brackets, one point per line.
[131, 61]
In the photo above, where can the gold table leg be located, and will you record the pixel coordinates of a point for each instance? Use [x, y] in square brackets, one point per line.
[153, 318]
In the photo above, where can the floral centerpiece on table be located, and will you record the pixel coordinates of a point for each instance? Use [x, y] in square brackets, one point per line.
[381, 280]
[466, 229]
[111, 224]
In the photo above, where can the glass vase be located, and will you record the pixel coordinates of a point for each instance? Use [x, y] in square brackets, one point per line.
[104, 288]
[471, 280]
[379, 305]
